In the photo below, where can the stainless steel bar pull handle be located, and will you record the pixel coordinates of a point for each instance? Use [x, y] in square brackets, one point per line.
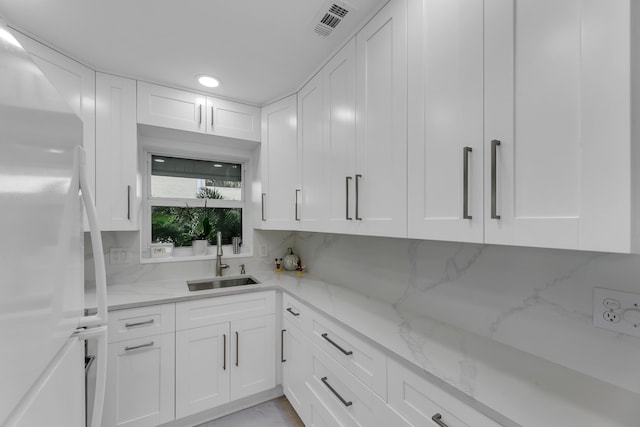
[290, 310]
[237, 347]
[494, 148]
[326, 337]
[465, 182]
[437, 418]
[224, 352]
[128, 202]
[282, 359]
[211, 117]
[297, 212]
[135, 347]
[263, 197]
[131, 325]
[200, 112]
[347, 217]
[342, 399]
[358, 176]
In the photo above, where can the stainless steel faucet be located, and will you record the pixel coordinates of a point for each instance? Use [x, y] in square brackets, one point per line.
[219, 264]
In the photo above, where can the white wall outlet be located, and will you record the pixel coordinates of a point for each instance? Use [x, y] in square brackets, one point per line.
[263, 250]
[616, 310]
[118, 255]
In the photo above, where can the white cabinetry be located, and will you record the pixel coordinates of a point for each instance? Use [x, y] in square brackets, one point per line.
[445, 122]
[278, 160]
[140, 367]
[558, 88]
[76, 84]
[116, 153]
[178, 109]
[381, 152]
[226, 350]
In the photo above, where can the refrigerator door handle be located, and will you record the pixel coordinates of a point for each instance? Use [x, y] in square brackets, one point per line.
[100, 334]
[100, 317]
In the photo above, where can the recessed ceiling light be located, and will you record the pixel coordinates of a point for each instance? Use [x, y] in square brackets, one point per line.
[159, 160]
[217, 165]
[208, 81]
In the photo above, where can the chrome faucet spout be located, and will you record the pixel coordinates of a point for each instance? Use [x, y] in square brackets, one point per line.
[219, 264]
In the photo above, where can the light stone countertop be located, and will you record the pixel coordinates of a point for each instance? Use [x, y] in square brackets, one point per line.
[509, 385]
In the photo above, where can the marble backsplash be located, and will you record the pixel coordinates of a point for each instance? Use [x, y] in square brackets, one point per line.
[535, 300]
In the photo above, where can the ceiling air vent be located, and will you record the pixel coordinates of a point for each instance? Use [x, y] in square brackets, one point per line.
[330, 19]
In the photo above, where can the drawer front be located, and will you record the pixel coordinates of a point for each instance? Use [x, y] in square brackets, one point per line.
[418, 401]
[295, 312]
[141, 322]
[362, 359]
[214, 310]
[351, 402]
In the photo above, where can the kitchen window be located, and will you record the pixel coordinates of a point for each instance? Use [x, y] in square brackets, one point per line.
[192, 199]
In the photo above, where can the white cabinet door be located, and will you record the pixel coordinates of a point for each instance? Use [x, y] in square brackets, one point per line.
[77, 85]
[171, 108]
[296, 367]
[381, 176]
[278, 159]
[140, 382]
[339, 85]
[202, 368]
[446, 120]
[311, 191]
[253, 364]
[557, 85]
[232, 119]
[116, 153]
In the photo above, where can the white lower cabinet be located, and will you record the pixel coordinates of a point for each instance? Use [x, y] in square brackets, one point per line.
[296, 367]
[140, 381]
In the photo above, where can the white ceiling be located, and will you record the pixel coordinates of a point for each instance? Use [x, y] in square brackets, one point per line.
[261, 50]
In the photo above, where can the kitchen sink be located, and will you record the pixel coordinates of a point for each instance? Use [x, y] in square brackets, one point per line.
[219, 283]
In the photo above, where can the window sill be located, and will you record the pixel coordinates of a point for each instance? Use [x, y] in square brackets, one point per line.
[194, 258]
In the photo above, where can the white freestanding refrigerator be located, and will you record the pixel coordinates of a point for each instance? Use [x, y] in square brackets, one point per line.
[42, 198]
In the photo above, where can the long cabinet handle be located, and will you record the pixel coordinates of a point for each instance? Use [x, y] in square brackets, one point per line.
[347, 217]
[342, 399]
[237, 347]
[211, 117]
[358, 176]
[135, 347]
[297, 212]
[326, 337]
[437, 418]
[282, 359]
[131, 325]
[263, 197]
[494, 148]
[128, 202]
[465, 183]
[200, 110]
[224, 352]
[290, 310]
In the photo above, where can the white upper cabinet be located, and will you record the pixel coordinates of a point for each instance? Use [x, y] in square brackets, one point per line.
[116, 153]
[171, 108]
[339, 85]
[182, 110]
[278, 162]
[232, 119]
[557, 124]
[310, 193]
[380, 181]
[446, 120]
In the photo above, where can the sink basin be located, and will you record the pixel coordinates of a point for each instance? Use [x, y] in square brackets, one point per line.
[220, 282]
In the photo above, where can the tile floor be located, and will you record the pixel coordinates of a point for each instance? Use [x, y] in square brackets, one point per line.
[273, 413]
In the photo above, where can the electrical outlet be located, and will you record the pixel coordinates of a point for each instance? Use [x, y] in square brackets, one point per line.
[118, 256]
[616, 310]
[263, 250]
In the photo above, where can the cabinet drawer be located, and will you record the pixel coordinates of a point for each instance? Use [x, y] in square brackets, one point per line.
[362, 359]
[418, 400]
[344, 395]
[141, 322]
[296, 313]
[210, 311]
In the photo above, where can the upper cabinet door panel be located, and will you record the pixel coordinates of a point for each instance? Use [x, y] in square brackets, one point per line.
[446, 114]
[171, 108]
[381, 177]
[233, 120]
[557, 183]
